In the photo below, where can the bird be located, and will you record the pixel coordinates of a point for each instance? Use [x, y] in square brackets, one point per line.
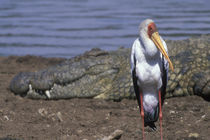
[150, 64]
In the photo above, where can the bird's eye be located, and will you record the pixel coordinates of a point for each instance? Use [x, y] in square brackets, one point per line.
[150, 29]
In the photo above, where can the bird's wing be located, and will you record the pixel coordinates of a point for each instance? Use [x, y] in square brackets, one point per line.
[165, 68]
[133, 70]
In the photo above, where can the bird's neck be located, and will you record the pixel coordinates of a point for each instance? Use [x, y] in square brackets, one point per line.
[149, 47]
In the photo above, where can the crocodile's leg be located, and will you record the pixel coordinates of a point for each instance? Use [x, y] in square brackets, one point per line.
[142, 114]
[160, 115]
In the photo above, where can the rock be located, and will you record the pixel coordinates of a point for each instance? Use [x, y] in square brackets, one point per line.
[59, 116]
[193, 135]
[114, 136]
[172, 112]
[6, 118]
[43, 112]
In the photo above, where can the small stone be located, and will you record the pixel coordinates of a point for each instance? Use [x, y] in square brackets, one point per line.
[6, 118]
[65, 137]
[43, 112]
[114, 136]
[194, 135]
[52, 116]
[79, 131]
[203, 116]
[172, 112]
[108, 115]
[104, 128]
[59, 116]
[178, 132]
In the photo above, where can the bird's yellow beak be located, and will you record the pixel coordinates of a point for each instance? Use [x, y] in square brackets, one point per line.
[156, 39]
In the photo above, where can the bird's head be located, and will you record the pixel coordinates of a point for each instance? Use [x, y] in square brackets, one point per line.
[149, 30]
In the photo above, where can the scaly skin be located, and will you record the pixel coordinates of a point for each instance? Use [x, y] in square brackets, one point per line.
[100, 74]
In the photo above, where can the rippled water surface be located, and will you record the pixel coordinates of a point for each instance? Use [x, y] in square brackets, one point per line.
[65, 28]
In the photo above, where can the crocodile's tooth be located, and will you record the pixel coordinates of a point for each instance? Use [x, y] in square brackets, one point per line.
[47, 92]
[30, 87]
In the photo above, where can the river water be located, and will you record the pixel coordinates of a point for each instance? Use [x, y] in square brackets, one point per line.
[65, 28]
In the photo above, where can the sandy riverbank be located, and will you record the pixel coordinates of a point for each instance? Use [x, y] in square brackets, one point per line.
[183, 118]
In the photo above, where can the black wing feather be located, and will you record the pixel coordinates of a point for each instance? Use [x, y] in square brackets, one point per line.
[164, 80]
[135, 85]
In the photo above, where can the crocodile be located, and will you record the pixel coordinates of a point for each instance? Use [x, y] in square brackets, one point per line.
[106, 74]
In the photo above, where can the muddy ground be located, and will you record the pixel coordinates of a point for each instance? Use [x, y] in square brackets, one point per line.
[90, 119]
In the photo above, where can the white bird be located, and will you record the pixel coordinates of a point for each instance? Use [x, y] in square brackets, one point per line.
[149, 68]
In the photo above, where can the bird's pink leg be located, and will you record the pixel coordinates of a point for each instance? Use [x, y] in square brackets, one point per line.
[142, 114]
[160, 115]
